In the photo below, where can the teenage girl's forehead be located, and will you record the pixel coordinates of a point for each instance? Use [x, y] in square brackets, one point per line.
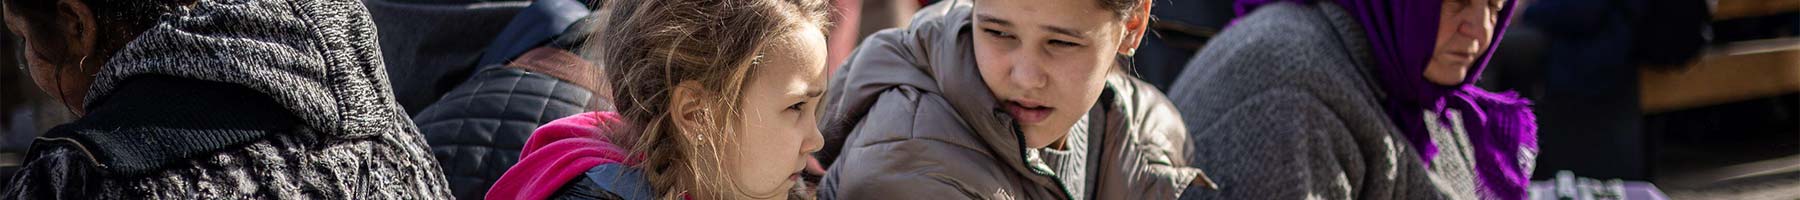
[1075, 18]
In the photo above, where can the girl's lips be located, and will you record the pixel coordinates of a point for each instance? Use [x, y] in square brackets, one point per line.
[1027, 112]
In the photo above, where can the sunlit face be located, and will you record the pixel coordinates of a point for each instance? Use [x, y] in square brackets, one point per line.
[779, 128]
[1465, 29]
[1046, 60]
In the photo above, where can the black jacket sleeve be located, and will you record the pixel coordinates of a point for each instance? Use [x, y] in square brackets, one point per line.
[58, 170]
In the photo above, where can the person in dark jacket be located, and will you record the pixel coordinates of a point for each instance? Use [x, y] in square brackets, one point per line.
[477, 129]
[1004, 99]
[1363, 99]
[205, 99]
[432, 46]
[1181, 27]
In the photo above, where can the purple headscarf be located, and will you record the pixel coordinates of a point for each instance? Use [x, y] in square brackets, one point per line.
[1500, 126]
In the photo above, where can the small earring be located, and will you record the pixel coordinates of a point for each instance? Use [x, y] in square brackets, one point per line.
[1131, 52]
[756, 61]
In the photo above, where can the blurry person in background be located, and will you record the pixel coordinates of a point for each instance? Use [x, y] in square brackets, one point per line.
[715, 99]
[478, 126]
[1365, 99]
[858, 19]
[1180, 29]
[1004, 99]
[205, 99]
[1587, 84]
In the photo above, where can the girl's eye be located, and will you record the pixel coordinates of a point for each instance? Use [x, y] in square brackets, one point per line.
[797, 106]
[1060, 43]
[997, 33]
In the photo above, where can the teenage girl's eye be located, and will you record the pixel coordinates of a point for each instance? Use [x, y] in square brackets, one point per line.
[997, 33]
[1060, 43]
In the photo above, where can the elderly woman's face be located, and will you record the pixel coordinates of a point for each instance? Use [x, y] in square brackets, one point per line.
[1465, 29]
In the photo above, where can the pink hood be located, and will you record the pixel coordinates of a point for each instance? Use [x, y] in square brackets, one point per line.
[558, 152]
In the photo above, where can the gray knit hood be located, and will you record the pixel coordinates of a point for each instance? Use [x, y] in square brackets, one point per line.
[318, 58]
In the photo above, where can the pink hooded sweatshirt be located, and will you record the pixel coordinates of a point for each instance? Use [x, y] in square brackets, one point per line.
[558, 152]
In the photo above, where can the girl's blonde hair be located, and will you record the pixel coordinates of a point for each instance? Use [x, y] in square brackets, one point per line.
[648, 47]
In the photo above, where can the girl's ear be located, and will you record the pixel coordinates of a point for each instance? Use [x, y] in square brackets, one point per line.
[688, 109]
[1136, 24]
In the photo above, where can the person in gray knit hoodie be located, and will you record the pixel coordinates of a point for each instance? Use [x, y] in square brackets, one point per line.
[216, 99]
[977, 100]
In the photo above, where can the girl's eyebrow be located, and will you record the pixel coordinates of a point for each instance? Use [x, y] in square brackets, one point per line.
[993, 20]
[1065, 31]
[815, 92]
[809, 93]
[1053, 29]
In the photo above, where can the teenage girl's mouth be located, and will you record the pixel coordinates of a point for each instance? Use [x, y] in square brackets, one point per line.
[1027, 111]
[798, 174]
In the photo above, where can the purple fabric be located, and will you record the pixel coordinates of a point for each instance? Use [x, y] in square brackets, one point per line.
[1402, 35]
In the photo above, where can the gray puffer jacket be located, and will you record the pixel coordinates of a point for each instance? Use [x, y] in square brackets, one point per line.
[239, 99]
[1287, 102]
[908, 117]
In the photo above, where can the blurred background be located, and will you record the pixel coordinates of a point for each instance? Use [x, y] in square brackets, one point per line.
[1699, 97]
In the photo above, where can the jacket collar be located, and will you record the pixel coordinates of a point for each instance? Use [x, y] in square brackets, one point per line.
[158, 120]
[621, 180]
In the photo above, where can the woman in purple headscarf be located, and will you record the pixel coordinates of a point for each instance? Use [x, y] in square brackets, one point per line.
[1365, 99]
